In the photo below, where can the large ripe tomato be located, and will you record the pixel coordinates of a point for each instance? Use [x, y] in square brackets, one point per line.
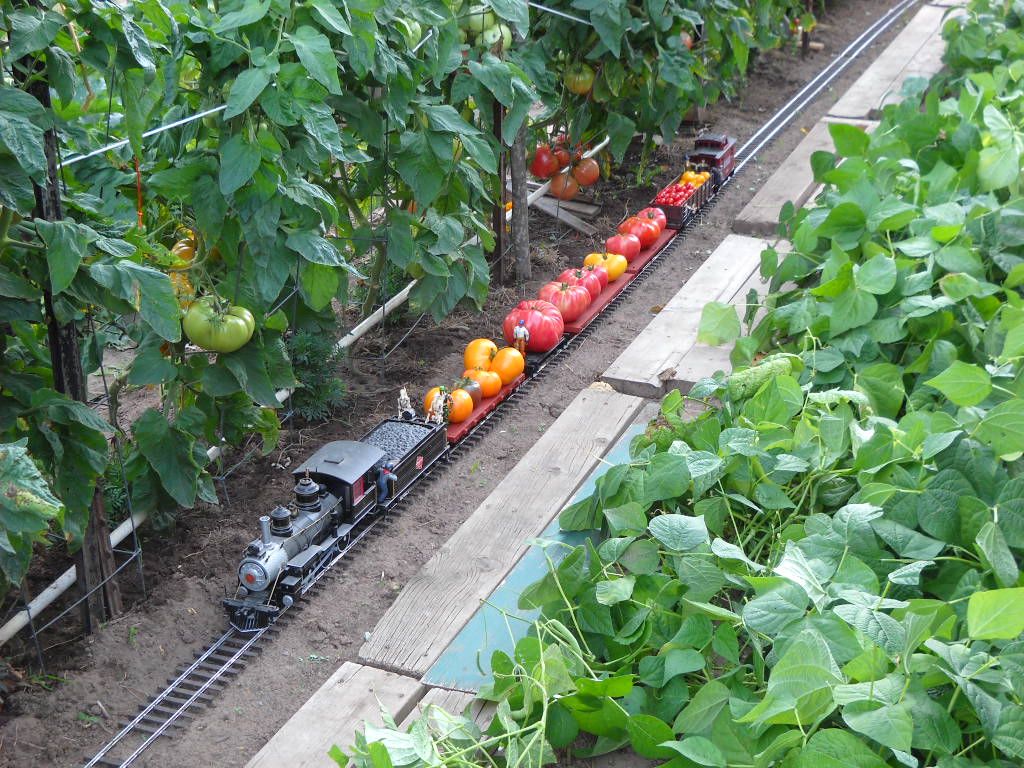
[645, 229]
[462, 406]
[489, 381]
[586, 172]
[599, 272]
[656, 215]
[579, 78]
[508, 364]
[563, 158]
[588, 280]
[627, 245]
[218, 327]
[479, 354]
[544, 165]
[564, 187]
[570, 300]
[614, 263]
[543, 321]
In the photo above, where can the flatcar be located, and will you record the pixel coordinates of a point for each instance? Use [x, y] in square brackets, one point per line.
[338, 487]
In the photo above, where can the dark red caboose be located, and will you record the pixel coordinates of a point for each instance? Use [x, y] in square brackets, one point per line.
[714, 152]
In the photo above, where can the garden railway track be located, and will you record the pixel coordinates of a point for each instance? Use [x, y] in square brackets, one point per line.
[197, 684]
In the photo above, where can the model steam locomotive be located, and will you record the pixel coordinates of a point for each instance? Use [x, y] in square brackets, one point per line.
[340, 486]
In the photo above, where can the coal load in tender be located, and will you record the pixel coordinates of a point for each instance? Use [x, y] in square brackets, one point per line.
[396, 438]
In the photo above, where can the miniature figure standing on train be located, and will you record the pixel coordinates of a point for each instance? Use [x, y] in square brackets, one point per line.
[386, 482]
[521, 337]
[440, 407]
[405, 410]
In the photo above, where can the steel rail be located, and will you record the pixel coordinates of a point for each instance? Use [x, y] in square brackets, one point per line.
[768, 131]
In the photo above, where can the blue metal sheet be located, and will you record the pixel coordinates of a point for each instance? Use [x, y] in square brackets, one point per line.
[498, 624]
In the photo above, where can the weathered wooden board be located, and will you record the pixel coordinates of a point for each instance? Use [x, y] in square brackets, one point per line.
[353, 695]
[915, 51]
[649, 365]
[553, 207]
[792, 181]
[438, 601]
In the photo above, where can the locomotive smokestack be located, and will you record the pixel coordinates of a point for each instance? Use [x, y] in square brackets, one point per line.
[265, 528]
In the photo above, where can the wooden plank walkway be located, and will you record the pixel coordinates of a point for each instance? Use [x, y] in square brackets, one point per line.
[915, 52]
[353, 695]
[792, 181]
[652, 364]
[441, 598]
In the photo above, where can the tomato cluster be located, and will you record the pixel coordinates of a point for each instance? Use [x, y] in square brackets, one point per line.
[675, 194]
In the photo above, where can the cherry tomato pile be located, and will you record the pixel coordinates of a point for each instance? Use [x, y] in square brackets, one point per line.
[675, 194]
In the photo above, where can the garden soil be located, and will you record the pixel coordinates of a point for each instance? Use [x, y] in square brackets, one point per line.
[92, 684]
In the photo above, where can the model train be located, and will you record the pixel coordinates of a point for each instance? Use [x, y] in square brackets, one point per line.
[340, 486]
[345, 483]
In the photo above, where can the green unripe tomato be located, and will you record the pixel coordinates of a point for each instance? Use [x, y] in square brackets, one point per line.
[218, 329]
[480, 17]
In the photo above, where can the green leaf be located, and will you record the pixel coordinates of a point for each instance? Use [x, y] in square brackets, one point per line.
[699, 750]
[66, 245]
[997, 555]
[1009, 733]
[719, 324]
[849, 140]
[963, 384]
[250, 13]
[146, 289]
[646, 734]
[851, 310]
[667, 477]
[170, 452]
[703, 709]
[883, 630]
[318, 284]
[998, 167]
[996, 614]
[26, 502]
[330, 16]
[877, 275]
[844, 224]
[657, 671]
[614, 591]
[680, 533]
[419, 168]
[245, 90]
[150, 367]
[890, 725]
[1002, 428]
[834, 748]
[315, 249]
[238, 162]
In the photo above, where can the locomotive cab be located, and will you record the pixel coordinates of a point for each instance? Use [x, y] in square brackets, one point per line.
[348, 469]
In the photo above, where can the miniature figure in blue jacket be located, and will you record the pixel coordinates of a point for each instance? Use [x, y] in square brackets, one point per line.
[386, 480]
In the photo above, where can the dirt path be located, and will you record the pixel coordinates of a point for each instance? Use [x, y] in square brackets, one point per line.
[189, 569]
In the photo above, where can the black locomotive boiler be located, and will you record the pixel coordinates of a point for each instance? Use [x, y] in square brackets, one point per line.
[339, 487]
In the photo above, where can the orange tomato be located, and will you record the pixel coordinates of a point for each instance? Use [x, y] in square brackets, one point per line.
[479, 353]
[508, 364]
[462, 406]
[615, 264]
[489, 381]
[430, 398]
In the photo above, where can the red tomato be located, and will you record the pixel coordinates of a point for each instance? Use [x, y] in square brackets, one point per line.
[656, 215]
[599, 272]
[544, 165]
[588, 280]
[563, 157]
[570, 300]
[586, 172]
[627, 245]
[645, 229]
[543, 321]
[564, 187]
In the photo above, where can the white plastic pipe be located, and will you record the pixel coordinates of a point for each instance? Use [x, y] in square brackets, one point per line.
[66, 580]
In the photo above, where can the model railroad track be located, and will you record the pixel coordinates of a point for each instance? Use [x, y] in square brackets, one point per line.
[197, 684]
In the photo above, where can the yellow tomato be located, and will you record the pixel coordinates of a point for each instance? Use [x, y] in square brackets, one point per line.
[615, 264]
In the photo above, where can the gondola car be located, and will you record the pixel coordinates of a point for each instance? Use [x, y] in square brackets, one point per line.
[337, 488]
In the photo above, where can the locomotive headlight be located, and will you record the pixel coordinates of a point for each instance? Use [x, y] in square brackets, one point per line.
[252, 576]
